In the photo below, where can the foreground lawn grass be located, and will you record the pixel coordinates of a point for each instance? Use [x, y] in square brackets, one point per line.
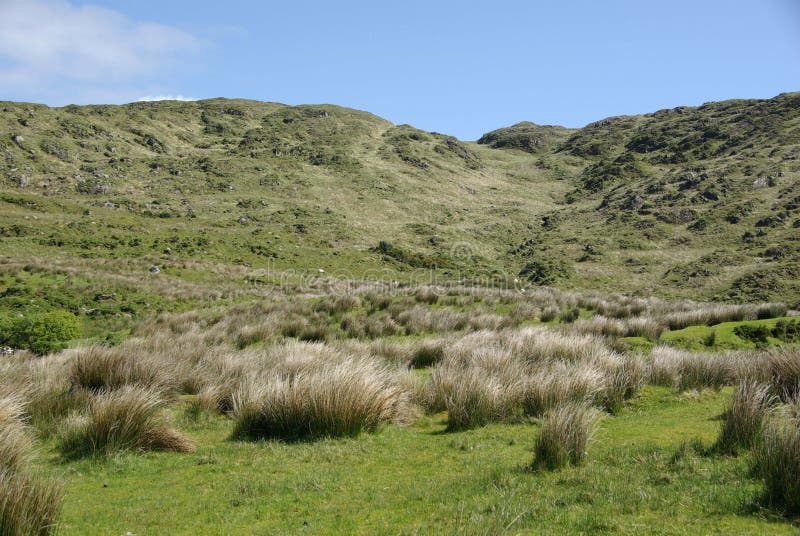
[422, 480]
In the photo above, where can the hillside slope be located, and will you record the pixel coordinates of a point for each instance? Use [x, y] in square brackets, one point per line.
[691, 202]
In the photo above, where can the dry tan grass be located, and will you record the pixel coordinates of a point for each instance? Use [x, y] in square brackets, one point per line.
[329, 399]
[29, 505]
[124, 419]
[564, 434]
[744, 416]
[776, 460]
[15, 443]
[100, 368]
[687, 370]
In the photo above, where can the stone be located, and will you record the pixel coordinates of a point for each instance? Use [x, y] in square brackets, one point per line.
[154, 270]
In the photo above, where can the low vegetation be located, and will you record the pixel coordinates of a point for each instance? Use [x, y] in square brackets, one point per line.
[192, 295]
[119, 420]
[564, 435]
[457, 365]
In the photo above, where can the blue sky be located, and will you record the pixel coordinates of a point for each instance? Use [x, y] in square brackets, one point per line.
[461, 68]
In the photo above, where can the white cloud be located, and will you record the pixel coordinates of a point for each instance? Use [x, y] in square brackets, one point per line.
[46, 44]
[150, 98]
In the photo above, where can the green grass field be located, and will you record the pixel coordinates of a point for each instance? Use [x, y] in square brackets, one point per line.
[419, 479]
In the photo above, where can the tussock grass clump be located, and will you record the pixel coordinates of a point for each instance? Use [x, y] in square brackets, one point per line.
[429, 295]
[428, 352]
[377, 325]
[29, 505]
[567, 316]
[624, 377]
[744, 417]
[330, 400]
[537, 345]
[549, 313]
[477, 384]
[687, 370]
[565, 432]
[419, 319]
[337, 304]
[776, 460]
[640, 326]
[781, 368]
[100, 368]
[712, 314]
[124, 419]
[560, 384]
[771, 310]
[476, 399]
[15, 444]
[643, 326]
[600, 325]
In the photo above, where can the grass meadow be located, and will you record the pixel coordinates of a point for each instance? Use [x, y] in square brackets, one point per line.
[422, 410]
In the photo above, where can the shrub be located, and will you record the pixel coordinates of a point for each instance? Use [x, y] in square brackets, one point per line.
[776, 460]
[29, 505]
[124, 419]
[329, 400]
[564, 435]
[744, 417]
[41, 333]
[787, 331]
[546, 271]
[754, 334]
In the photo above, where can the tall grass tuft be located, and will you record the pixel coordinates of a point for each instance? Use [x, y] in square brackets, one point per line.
[29, 505]
[782, 366]
[124, 419]
[744, 417]
[560, 384]
[687, 370]
[330, 400]
[776, 460]
[565, 432]
[15, 444]
[99, 368]
[476, 399]
[624, 377]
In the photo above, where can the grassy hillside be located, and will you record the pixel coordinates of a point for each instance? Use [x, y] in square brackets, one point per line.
[691, 202]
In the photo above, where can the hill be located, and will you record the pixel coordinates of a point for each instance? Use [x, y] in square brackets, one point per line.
[216, 194]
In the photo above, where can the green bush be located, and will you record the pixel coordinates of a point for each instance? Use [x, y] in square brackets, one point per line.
[755, 334]
[787, 330]
[40, 333]
[546, 271]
